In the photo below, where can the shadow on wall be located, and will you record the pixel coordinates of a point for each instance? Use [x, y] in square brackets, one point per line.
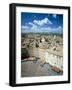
[24, 53]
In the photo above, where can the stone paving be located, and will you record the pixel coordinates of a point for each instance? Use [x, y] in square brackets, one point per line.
[32, 69]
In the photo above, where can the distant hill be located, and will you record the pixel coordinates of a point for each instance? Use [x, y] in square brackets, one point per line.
[43, 33]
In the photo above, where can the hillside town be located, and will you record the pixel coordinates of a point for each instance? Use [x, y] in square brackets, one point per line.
[45, 49]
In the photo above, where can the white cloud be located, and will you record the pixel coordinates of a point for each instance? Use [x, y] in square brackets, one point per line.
[54, 15]
[37, 25]
[24, 27]
[59, 28]
[30, 23]
[34, 27]
[42, 22]
[53, 30]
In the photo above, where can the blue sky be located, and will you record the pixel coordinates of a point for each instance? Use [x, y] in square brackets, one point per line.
[40, 22]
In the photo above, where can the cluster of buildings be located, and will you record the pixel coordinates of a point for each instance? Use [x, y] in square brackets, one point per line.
[49, 49]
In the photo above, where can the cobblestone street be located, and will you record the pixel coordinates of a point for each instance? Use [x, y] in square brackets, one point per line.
[30, 69]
